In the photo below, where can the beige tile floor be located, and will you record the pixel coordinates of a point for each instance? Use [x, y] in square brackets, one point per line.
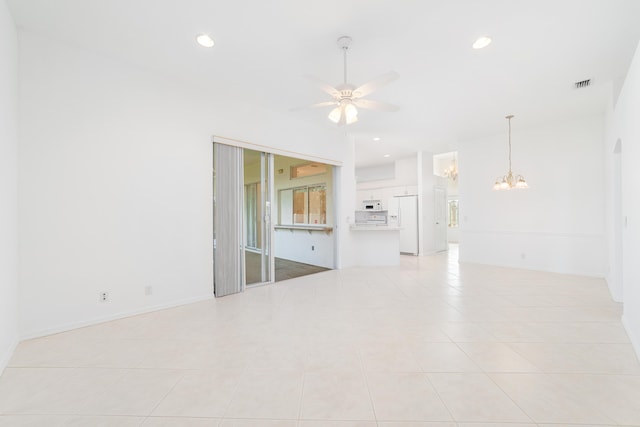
[429, 343]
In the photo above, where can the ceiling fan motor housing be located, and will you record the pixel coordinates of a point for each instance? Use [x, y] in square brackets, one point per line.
[344, 42]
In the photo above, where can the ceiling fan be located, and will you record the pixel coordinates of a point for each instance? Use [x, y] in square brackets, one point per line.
[347, 98]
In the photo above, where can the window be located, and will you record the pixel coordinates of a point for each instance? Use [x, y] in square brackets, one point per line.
[303, 205]
[317, 204]
[453, 213]
[300, 211]
[308, 169]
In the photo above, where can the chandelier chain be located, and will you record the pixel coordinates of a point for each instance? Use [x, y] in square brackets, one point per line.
[510, 181]
[509, 117]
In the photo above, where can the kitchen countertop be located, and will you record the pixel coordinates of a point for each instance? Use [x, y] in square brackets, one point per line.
[369, 227]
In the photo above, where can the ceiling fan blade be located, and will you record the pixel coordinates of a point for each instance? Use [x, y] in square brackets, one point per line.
[326, 87]
[317, 105]
[367, 104]
[374, 84]
[323, 104]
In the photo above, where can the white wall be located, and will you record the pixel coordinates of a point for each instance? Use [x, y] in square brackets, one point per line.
[558, 223]
[8, 185]
[376, 173]
[345, 181]
[115, 184]
[308, 247]
[623, 125]
[404, 182]
[612, 154]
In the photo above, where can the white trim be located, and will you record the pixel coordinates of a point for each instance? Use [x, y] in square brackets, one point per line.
[336, 181]
[272, 150]
[271, 231]
[533, 268]
[613, 290]
[7, 356]
[534, 233]
[634, 340]
[420, 189]
[76, 325]
[433, 252]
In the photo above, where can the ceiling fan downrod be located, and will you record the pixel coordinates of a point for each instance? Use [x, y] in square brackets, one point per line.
[343, 43]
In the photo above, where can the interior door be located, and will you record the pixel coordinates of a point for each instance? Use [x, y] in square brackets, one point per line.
[440, 216]
[228, 257]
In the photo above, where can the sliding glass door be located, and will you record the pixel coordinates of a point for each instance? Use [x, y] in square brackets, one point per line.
[257, 215]
[269, 209]
[242, 193]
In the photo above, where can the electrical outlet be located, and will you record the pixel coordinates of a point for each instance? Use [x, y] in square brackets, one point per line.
[104, 296]
[148, 290]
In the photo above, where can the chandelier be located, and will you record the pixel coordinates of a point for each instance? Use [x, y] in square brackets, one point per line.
[452, 171]
[509, 181]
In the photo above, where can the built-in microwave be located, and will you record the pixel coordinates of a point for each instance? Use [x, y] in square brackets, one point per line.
[371, 205]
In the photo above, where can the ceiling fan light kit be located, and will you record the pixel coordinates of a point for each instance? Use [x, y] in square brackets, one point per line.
[510, 181]
[347, 98]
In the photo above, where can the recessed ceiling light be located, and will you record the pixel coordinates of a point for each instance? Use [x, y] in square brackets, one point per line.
[387, 155]
[483, 41]
[205, 40]
[377, 138]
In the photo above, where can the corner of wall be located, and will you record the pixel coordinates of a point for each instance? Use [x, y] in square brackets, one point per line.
[8, 185]
[635, 340]
[345, 184]
[4, 360]
[624, 127]
[614, 290]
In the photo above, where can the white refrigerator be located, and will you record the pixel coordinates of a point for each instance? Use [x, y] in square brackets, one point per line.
[403, 212]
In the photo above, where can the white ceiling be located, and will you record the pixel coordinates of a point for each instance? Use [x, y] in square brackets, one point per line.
[447, 91]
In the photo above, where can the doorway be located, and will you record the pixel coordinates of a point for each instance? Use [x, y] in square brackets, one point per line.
[270, 222]
[303, 218]
[440, 215]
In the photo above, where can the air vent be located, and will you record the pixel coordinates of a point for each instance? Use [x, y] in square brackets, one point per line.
[582, 84]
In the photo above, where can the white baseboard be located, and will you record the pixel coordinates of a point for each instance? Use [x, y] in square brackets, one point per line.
[613, 290]
[635, 342]
[75, 325]
[4, 361]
